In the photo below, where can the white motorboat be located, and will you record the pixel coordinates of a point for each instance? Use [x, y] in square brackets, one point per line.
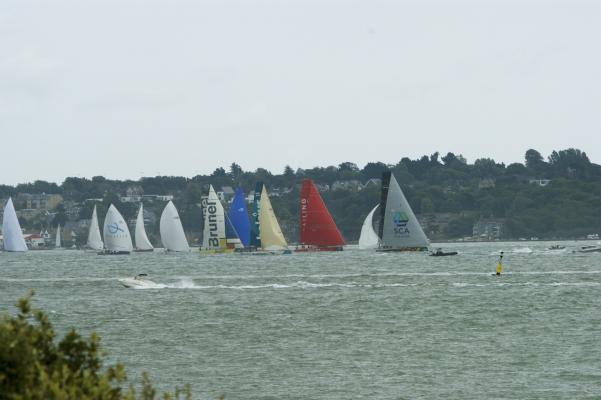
[141, 282]
[589, 249]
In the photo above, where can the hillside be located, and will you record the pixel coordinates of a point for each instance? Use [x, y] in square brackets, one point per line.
[557, 197]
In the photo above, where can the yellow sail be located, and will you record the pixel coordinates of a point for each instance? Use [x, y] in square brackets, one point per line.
[271, 234]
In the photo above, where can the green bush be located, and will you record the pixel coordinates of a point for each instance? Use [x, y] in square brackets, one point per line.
[33, 366]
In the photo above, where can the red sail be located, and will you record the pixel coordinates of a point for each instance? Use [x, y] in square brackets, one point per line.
[317, 228]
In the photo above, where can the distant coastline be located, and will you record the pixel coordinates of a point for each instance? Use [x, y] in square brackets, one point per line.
[545, 198]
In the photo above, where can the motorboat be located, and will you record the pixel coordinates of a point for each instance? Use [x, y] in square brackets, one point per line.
[141, 282]
[556, 247]
[589, 249]
[440, 253]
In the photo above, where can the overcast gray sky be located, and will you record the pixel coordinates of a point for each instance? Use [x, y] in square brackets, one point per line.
[129, 88]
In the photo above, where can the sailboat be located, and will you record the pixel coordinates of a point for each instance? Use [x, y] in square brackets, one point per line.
[57, 241]
[238, 216]
[318, 231]
[94, 239]
[11, 229]
[214, 235]
[255, 231]
[369, 238]
[117, 239]
[142, 242]
[270, 234]
[398, 229]
[172, 231]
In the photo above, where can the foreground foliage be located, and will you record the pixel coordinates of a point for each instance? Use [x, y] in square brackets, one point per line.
[33, 366]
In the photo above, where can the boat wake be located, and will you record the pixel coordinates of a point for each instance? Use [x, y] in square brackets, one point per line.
[187, 283]
[305, 285]
[521, 250]
[577, 284]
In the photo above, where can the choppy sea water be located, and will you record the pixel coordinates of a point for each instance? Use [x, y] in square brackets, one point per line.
[355, 324]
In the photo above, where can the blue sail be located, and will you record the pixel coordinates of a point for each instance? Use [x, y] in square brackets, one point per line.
[255, 237]
[230, 230]
[238, 216]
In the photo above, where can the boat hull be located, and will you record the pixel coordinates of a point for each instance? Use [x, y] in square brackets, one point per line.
[311, 249]
[143, 251]
[216, 251]
[401, 250]
[448, 253]
[140, 284]
[267, 252]
[112, 253]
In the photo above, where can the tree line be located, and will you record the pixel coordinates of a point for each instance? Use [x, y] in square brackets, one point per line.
[568, 207]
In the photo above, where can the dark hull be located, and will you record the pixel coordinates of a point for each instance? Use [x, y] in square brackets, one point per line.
[143, 251]
[405, 249]
[312, 249]
[449, 253]
[113, 253]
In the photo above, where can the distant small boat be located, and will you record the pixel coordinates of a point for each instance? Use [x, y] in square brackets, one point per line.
[440, 253]
[369, 238]
[142, 242]
[140, 282]
[57, 241]
[215, 236]
[117, 239]
[272, 238]
[589, 249]
[556, 247]
[12, 235]
[172, 231]
[398, 229]
[318, 231]
[266, 235]
[238, 216]
[94, 238]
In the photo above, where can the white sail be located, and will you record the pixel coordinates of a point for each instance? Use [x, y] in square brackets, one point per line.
[142, 242]
[272, 237]
[399, 228]
[11, 229]
[213, 236]
[116, 233]
[369, 238]
[94, 238]
[172, 231]
[57, 241]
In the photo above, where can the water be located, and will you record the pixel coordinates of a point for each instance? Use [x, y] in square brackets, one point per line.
[355, 324]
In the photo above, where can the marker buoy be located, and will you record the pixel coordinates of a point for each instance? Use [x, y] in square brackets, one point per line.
[500, 265]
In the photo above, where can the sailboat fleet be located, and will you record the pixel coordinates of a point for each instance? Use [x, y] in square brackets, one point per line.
[390, 226]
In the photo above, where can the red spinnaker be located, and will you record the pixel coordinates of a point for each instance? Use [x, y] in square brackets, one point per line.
[317, 228]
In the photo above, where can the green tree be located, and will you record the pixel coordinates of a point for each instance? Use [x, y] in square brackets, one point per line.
[426, 206]
[235, 171]
[33, 366]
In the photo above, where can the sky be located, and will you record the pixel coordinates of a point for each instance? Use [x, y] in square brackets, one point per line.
[126, 88]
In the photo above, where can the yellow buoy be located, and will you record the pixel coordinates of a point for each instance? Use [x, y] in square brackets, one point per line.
[499, 264]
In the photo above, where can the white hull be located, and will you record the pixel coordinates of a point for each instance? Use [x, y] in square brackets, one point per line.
[589, 249]
[141, 283]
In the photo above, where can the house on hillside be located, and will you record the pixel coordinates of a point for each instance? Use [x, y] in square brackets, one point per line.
[486, 183]
[228, 193]
[373, 182]
[487, 229]
[36, 204]
[539, 182]
[133, 194]
[352, 185]
[321, 187]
